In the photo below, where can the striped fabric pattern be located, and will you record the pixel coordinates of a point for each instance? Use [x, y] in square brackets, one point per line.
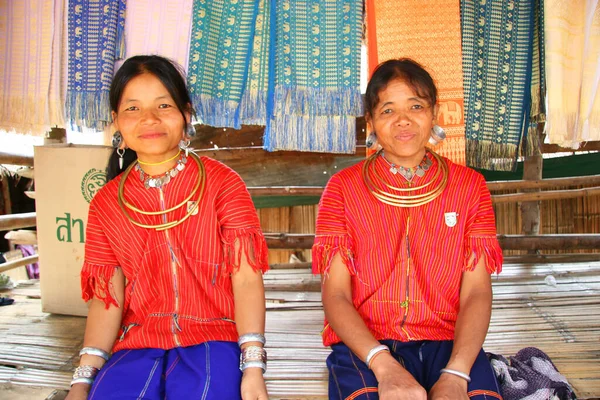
[406, 263]
[179, 290]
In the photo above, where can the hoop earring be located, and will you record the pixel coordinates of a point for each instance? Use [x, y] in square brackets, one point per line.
[371, 140]
[117, 139]
[121, 153]
[185, 146]
[438, 134]
[190, 131]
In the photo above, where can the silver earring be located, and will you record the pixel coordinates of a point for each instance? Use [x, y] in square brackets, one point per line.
[190, 131]
[117, 139]
[121, 153]
[371, 140]
[185, 145]
[438, 134]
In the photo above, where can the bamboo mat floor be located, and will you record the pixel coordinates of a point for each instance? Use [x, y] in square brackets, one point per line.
[555, 307]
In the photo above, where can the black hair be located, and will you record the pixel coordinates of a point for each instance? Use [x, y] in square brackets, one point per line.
[171, 76]
[406, 70]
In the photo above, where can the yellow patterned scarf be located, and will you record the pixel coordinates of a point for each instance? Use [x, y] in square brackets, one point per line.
[27, 28]
[429, 33]
[572, 33]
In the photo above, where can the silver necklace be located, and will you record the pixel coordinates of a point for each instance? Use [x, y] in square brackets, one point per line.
[161, 180]
[409, 173]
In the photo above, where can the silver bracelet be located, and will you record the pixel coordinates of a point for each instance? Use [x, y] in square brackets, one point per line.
[88, 381]
[254, 364]
[375, 350]
[457, 373]
[84, 374]
[93, 351]
[251, 337]
[253, 353]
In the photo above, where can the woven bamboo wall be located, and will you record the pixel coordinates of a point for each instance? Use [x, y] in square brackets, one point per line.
[577, 215]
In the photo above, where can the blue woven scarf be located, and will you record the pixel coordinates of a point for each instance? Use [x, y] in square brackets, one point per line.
[220, 50]
[253, 107]
[96, 39]
[314, 85]
[497, 39]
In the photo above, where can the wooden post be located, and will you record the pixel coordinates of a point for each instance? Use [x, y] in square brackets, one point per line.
[530, 210]
[4, 183]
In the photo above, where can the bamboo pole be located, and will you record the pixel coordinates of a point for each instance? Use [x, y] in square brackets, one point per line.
[492, 186]
[286, 190]
[546, 195]
[16, 159]
[530, 209]
[507, 242]
[19, 263]
[17, 221]
[544, 183]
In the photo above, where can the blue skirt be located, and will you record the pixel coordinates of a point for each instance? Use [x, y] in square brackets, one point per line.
[207, 371]
[351, 379]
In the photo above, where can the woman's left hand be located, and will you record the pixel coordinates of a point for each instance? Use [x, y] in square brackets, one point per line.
[449, 387]
[253, 385]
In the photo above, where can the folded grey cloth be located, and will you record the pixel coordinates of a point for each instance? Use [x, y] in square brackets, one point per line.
[530, 375]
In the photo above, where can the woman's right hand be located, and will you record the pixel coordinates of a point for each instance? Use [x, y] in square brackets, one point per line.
[79, 391]
[395, 382]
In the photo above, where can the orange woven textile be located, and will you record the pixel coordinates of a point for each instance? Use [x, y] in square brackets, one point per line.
[429, 33]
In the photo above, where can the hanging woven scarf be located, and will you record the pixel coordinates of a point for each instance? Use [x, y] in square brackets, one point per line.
[159, 27]
[220, 50]
[253, 107]
[531, 143]
[26, 28]
[429, 33]
[497, 52]
[58, 75]
[96, 39]
[315, 83]
[572, 30]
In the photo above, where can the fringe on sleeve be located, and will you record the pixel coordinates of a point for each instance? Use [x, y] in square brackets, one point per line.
[96, 282]
[487, 247]
[252, 244]
[326, 247]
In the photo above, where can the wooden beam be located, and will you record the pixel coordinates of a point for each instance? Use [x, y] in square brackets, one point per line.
[550, 242]
[19, 263]
[554, 148]
[282, 168]
[207, 137]
[547, 195]
[530, 209]
[17, 221]
[551, 258]
[507, 242]
[4, 183]
[492, 186]
[544, 183]
[286, 190]
[16, 159]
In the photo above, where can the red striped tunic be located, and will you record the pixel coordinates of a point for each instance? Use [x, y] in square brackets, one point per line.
[178, 290]
[406, 263]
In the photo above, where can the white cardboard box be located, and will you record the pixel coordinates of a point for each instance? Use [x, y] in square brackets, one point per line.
[66, 178]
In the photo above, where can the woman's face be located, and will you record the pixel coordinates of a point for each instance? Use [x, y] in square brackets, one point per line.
[402, 122]
[149, 120]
